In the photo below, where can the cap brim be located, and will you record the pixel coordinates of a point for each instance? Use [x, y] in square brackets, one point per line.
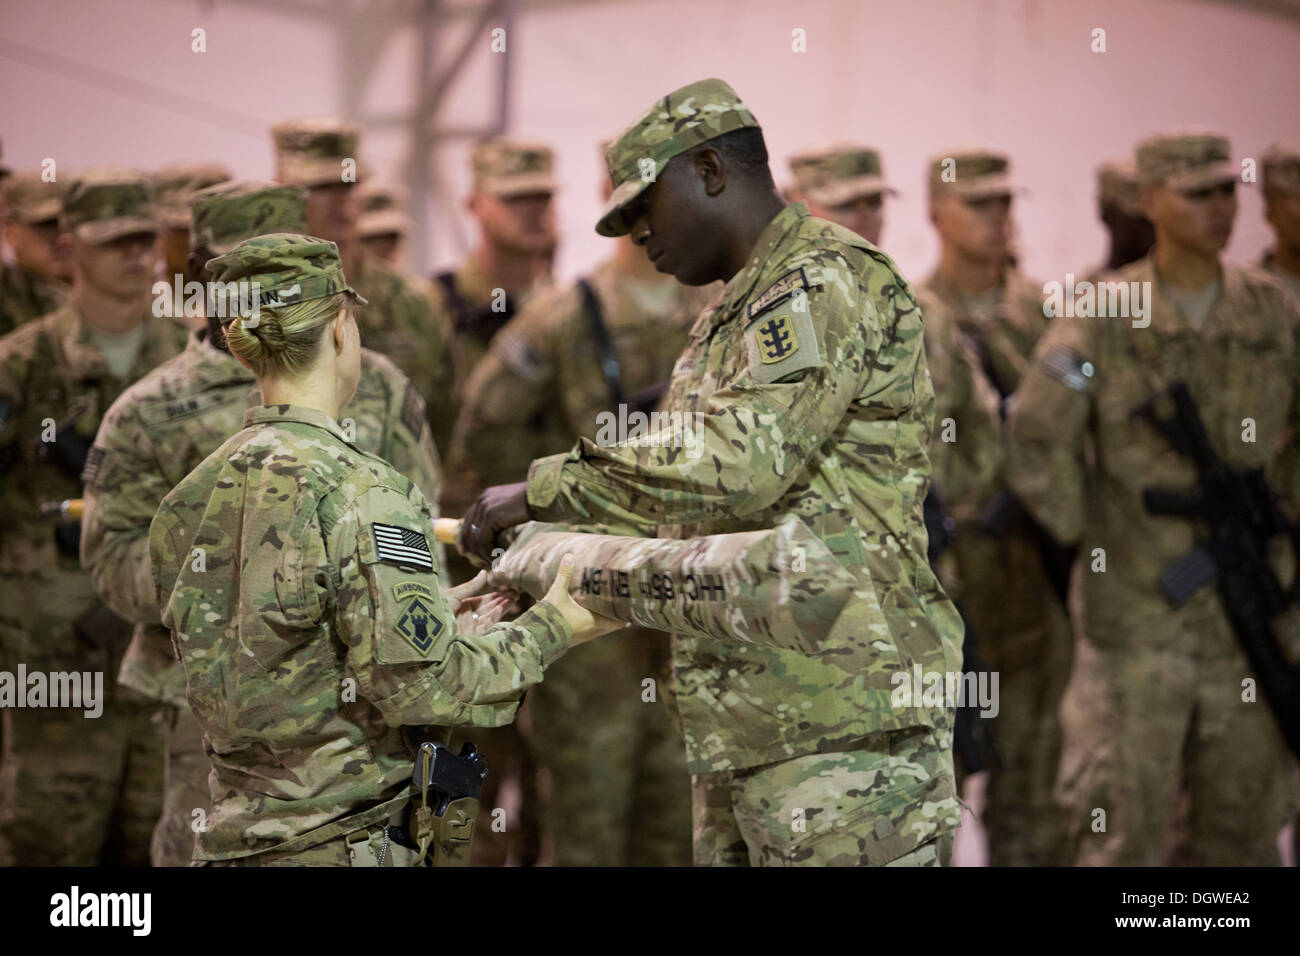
[986, 187]
[612, 223]
[106, 230]
[383, 223]
[847, 190]
[38, 212]
[522, 185]
[314, 172]
[176, 217]
[1213, 175]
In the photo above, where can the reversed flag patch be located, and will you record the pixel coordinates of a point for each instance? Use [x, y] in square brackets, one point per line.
[401, 546]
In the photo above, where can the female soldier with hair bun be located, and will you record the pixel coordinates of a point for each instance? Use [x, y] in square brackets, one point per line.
[296, 576]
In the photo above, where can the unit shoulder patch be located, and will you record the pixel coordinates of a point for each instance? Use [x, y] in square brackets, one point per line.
[402, 546]
[418, 624]
[780, 343]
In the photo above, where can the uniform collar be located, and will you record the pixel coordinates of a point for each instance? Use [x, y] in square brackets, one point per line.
[271, 414]
[739, 286]
[1165, 315]
[71, 332]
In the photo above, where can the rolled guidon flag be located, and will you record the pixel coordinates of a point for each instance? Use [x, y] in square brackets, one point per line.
[780, 587]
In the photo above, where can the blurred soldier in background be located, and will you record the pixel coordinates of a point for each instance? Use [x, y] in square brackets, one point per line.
[1131, 233]
[76, 791]
[34, 283]
[383, 224]
[576, 358]
[845, 185]
[399, 322]
[1156, 700]
[1011, 578]
[1281, 179]
[159, 431]
[173, 185]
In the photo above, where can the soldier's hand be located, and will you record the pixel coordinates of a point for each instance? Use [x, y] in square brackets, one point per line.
[497, 508]
[585, 624]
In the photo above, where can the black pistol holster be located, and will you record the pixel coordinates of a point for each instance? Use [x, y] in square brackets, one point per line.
[441, 821]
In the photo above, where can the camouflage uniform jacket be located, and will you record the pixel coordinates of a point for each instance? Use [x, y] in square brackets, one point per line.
[52, 374]
[24, 296]
[161, 429]
[541, 386]
[1080, 461]
[309, 638]
[400, 322]
[808, 375]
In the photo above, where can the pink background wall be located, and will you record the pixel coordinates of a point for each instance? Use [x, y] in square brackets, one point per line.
[91, 81]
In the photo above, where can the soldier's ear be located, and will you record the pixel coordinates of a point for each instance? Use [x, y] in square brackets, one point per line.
[708, 164]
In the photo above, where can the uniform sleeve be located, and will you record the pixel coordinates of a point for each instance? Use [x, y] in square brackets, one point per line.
[749, 441]
[123, 491]
[439, 376]
[166, 548]
[494, 436]
[966, 448]
[1288, 461]
[409, 659]
[409, 448]
[1047, 429]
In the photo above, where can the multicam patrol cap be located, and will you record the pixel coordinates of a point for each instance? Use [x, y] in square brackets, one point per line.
[311, 151]
[1117, 186]
[972, 174]
[105, 202]
[512, 167]
[1280, 166]
[679, 121]
[382, 206]
[288, 268]
[30, 199]
[174, 183]
[834, 175]
[1185, 162]
[226, 214]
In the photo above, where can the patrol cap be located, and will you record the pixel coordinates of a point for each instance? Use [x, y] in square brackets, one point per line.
[382, 206]
[226, 214]
[105, 202]
[834, 175]
[512, 167]
[288, 268]
[1185, 162]
[1117, 186]
[30, 199]
[174, 183]
[686, 117]
[1281, 168]
[311, 151]
[972, 174]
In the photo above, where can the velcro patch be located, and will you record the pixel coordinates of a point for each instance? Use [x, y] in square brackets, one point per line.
[402, 546]
[1069, 368]
[94, 460]
[419, 625]
[782, 288]
[781, 343]
[413, 411]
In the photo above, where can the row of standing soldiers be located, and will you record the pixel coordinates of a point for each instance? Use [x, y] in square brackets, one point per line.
[1108, 698]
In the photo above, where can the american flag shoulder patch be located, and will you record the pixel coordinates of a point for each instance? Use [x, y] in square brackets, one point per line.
[403, 546]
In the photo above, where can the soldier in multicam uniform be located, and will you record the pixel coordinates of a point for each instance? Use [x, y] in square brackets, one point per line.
[1280, 166]
[160, 430]
[982, 318]
[1131, 233]
[33, 284]
[173, 185]
[75, 791]
[809, 379]
[574, 359]
[844, 184]
[1155, 699]
[400, 322]
[320, 554]
[382, 224]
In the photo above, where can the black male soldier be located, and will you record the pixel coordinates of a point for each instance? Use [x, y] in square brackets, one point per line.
[806, 389]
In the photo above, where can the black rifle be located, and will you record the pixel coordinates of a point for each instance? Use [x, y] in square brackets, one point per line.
[972, 736]
[646, 400]
[1237, 516]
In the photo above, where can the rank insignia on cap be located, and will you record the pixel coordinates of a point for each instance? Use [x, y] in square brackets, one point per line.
[402, 546]
[419, 625]
[778, 290]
